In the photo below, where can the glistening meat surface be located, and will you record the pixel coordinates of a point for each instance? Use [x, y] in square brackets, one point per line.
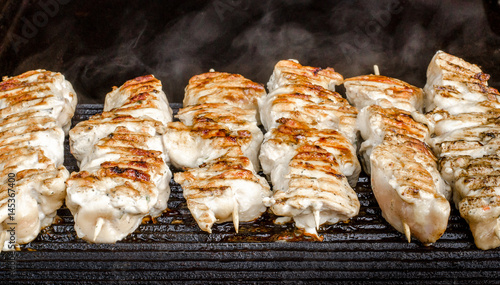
[123, 172]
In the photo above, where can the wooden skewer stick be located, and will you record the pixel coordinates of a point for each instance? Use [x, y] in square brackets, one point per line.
[316, 218]
[98, 228]
[236, 217]
[407, 232]
[375, 70]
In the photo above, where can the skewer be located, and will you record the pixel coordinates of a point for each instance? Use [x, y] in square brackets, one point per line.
[98, 228]
[407, 232]
[375, 70]
[316, 218]
[236, 217]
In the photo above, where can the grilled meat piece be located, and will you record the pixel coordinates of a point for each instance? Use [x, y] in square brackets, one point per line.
[39, 193]
[36, 108]
[376, 122]
[310, 171]
[442, 122]
[220, 87]
[287, 72]
[87, 133]
[465, 121]
[218, 122]
[45, 135]
[141, 97]
[281, 145]
[224, 189]
[404, 175]
[189, 148]
[456, 85]
[44, 92]
[313, 105]
[472, 141]
[366, 90]
[217, 142]
[123, 173]
[409, 189]
[308, 150]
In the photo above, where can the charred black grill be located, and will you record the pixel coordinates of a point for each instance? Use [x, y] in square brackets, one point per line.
[172, 248]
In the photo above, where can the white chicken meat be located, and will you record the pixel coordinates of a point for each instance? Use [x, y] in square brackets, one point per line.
[205, 130]
[281, 145]
[291, 72]
[380, 90]
[455, 85]
[465, 122]
[375, 122]
[409, 188]
[36, 108]
[217, 142]
[312, 172]
[311, 104]
[224, 189]
[123, 172]
[405, 179]
[308, 150]
[221, 87]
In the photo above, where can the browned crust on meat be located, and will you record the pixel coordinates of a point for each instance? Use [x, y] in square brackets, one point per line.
[296, 72]
[400, 122]
[410, 157]
[201, 80]
[216, 87]
[398, 88]
[107, 169]
[17, 82]
[310, 94]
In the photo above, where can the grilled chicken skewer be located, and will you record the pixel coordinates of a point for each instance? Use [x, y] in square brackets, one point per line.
[217, 142]
[123, 172]
[404, 175]
[308, 151]
[465, 119]
[35, 111]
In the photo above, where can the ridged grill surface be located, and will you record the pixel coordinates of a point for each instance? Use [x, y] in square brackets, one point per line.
[172, 248]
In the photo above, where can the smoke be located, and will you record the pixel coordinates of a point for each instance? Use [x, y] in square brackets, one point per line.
[99, 45]
[347, 36]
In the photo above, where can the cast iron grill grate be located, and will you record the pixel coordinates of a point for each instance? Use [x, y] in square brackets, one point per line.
[173, 248]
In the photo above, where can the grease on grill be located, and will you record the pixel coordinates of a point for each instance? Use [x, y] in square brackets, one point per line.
[177, 225]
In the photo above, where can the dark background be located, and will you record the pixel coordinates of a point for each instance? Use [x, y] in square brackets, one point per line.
[99, 44]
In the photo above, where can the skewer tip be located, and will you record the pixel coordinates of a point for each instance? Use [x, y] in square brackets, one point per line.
[236, 217]
[98, 228]
[407, 232]
[375, 70]
[316, 218]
